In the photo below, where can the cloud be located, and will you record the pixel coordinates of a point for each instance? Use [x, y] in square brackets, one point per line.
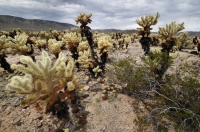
[120, 14]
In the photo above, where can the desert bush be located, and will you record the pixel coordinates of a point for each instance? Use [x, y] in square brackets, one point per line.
[154, 65]
[175, 94]
[128, 72]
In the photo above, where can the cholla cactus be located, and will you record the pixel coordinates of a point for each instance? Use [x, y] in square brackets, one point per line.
[84, 39]
[84, 54]
[55, 46]
[115, 43]
[43, 34]
[66, 31]
[104, 44]
[19, 44]
[42, 43]
[74, 30]
[4, 49]
[95, 38]
[183, 40]
[133, 37]
[84, 18]
[54, 32]
[83, 45]
[168, 34]
[121, 42]
[198, 45]
[183, 36]
[3, 46]
[72, 40]
[1, 71]
[97, 70]
[4, 33]
[127, 41]
[42, 82]
[198, 41]
[146, 22]
[83, 58]
[170, 30]
[154, 39]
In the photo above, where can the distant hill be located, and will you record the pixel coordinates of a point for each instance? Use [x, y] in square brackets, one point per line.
[192, 33]
[7, 23]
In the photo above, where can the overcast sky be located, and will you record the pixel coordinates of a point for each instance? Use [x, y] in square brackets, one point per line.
[106, 14]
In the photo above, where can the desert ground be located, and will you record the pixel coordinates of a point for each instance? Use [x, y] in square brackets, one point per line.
[118, 113]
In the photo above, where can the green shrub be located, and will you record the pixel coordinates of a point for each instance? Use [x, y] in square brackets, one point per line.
[128, 72]
[136, 75]
[176, 94]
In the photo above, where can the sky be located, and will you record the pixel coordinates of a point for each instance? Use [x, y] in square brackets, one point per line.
[108, 14]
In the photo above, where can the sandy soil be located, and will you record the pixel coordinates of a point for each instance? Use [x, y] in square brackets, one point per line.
[116, 114]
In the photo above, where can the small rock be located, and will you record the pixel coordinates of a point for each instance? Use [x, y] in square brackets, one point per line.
[48, 120]
[19, 123]
[93, 93]
[3, 107]
[90, 84]
[46, 129]
[83, 81]
[38, 123]
[118, 86]
[1, 95]
[4, 103]
[27, 113]
[87, 78]
[100, 80]
[114, 91]
[125, 51]
[15, 101]
[10, 94]
[86, 88]
[97, 85]
[49, 116]
[124, 85]
[37, 117]
[85, 95]
[104, 97]
[8, 110]
[103, 87]
[87, 99]
[42, 130]
[16, 120]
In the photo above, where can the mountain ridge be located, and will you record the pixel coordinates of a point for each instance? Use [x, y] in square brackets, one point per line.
[8, 22]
